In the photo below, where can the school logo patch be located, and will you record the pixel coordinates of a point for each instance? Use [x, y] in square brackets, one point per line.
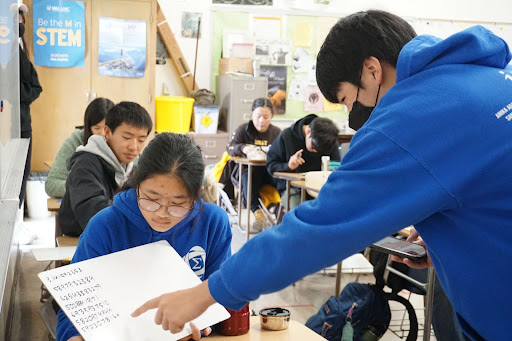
[196, 259]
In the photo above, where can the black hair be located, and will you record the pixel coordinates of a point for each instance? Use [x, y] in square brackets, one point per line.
[173, 154]
[130, 113]
[263, 102]
[95, 112]
[353, 39]
[324, 134]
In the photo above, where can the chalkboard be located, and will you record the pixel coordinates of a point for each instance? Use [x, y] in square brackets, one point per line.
[98, 295]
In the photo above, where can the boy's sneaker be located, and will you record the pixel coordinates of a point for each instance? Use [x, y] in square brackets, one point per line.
[260, 220]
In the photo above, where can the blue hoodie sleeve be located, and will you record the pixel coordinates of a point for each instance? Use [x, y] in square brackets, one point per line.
[379, 188]
[219, 242]
[93, 243]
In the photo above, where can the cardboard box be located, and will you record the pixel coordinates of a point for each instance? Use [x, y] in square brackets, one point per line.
[206, 119]
[235, 65]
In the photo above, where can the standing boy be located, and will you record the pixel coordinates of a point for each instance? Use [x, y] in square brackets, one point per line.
[434, 153]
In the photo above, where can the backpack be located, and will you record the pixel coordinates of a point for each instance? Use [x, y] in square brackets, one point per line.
[370, 315]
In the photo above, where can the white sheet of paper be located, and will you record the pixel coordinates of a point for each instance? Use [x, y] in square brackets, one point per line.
[99, 294]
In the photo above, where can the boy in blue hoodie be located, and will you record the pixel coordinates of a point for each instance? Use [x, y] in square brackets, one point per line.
[433, 153]
[161, 201]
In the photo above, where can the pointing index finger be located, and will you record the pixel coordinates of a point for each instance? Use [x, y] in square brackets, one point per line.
[151, 304]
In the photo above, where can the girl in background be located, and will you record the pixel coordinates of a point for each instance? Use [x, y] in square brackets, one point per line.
[252, 140]
[94, 124]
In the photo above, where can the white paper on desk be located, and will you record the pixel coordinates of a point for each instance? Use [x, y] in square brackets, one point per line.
[99, 294]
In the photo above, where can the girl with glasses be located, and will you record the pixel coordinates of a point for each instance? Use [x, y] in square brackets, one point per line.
[160, 201]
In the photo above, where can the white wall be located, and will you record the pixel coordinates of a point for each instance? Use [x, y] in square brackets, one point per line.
[462, 12]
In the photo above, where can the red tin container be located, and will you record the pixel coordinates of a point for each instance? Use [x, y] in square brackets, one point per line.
[237, 324]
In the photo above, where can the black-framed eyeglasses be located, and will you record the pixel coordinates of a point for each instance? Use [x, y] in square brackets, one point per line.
[149, 205]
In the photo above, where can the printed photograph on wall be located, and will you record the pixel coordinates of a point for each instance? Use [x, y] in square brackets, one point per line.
[244, 2]
[276, 86]
[122, 47]
[190, 24]
[273, 52]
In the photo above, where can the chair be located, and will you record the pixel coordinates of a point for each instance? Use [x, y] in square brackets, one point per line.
[272, 219]
[428, 288]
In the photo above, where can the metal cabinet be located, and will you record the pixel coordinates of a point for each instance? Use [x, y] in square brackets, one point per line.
[235, 96]
[212, 145]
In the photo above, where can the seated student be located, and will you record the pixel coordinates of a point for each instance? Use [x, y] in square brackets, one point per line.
[94, 123]
[300, 149]
[102, 165]
[160, 201]
[247, 141]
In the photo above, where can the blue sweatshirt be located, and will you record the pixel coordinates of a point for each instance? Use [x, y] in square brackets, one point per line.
[203, 239]
[436, 153]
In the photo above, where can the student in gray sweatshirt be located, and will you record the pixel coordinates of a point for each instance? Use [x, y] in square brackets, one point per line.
[102, 165]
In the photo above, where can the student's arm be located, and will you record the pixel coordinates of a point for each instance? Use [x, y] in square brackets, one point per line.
[87, 193]
[277, 160]
[238, 142]
[55, 184]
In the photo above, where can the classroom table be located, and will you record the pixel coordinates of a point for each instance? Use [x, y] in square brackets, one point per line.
[295, 331]
[249, 163]
[313, 191]
[288, 177]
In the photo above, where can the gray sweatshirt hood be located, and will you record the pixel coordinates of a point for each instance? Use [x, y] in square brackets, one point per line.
[98, 145]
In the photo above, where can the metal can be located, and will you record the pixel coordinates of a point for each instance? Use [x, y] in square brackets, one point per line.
[237, 324]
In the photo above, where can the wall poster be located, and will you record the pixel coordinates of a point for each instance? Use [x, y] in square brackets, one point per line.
[122, 47]
[59, 33]
[276, 86]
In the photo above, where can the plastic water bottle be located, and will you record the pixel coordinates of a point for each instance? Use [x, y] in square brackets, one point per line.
[325, 162]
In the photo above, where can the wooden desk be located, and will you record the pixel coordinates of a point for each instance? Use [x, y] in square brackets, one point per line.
[249, 163]
[303, 188]
[53, 204]
[288, 177]
[48, 164]
[344, 137]
[295, 332]
[67, 241]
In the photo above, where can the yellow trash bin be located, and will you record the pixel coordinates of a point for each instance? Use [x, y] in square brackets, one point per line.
[173, 114]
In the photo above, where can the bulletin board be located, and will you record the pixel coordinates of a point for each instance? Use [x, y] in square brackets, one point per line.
[313, 32]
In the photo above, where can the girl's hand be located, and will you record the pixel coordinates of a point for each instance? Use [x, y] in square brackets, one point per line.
[76, 338]
[196, 334]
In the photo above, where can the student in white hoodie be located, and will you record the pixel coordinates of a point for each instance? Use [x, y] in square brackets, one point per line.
[99, 168]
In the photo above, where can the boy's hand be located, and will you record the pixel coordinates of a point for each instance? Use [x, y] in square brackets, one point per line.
[296, 160]
[414, 237]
